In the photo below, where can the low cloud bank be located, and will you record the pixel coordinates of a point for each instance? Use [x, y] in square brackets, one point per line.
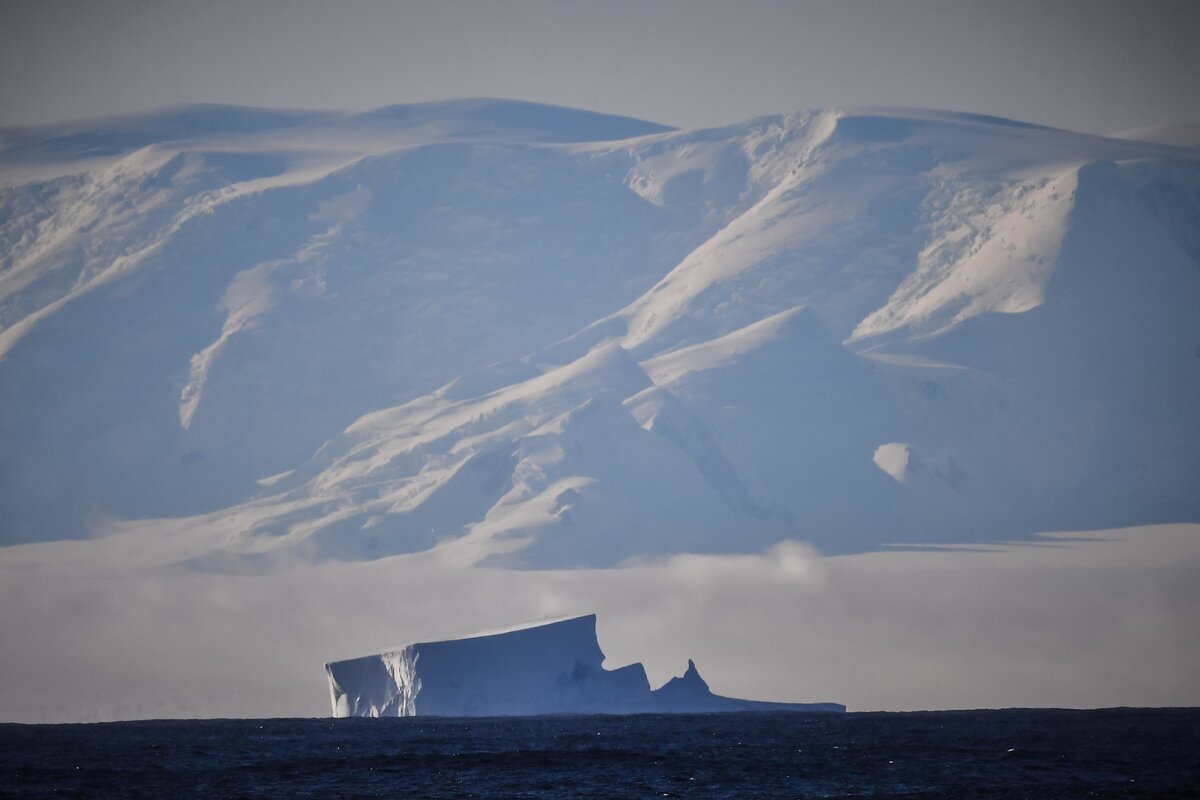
[1099, 619]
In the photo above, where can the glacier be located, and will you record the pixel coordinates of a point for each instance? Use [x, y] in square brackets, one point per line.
[522, 336]
[551, 667]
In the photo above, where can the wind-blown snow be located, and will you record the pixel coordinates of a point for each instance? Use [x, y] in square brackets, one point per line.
[983, 256]
[248, 297]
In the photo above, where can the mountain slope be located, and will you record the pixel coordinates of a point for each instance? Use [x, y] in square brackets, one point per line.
[492, 330]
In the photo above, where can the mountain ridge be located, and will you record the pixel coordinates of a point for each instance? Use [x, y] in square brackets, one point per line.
[763, 307]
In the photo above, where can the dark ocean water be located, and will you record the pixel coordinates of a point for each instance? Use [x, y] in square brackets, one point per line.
[961, 754]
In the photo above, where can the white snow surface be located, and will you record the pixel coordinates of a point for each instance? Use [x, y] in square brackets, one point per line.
[893, 458]
[527, 336]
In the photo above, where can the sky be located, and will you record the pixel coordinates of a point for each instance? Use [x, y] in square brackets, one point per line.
[1091, 65]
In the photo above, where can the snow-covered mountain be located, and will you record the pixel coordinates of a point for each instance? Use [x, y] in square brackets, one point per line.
[533, 336]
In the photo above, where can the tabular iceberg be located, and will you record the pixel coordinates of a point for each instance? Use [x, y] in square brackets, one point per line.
[550, 668]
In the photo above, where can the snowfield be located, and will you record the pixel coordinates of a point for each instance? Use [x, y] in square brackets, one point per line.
[519, 335]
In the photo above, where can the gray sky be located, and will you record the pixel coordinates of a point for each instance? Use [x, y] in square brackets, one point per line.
[1092, 65]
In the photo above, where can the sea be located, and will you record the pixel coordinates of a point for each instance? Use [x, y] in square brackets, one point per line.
[1117, 753]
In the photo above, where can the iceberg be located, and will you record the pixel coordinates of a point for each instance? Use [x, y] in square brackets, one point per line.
[553, 667]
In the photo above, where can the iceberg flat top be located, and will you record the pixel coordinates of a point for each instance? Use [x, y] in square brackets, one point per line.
[516, 627]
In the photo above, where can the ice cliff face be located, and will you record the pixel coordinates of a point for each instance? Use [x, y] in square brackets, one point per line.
[551, 668]
[525, 336]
